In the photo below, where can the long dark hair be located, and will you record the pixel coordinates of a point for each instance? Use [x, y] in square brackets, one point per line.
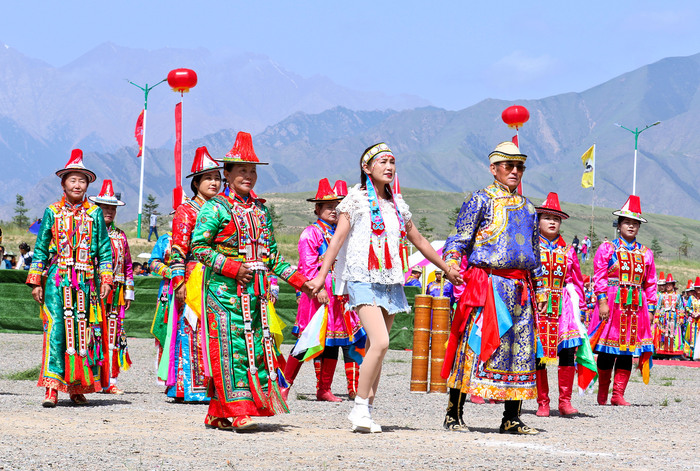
[194, 184]
[364, 177]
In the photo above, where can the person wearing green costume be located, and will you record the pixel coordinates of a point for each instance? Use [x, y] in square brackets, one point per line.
[234, 239]
[71, 275]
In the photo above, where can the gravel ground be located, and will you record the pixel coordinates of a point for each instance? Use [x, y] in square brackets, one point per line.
[143, 430]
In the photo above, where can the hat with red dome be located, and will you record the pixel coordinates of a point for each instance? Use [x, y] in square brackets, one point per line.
[242, 151]
[106, 195]
[325, 193]
[75, 164]
[551, 206]
[203, 163]
[632, 209]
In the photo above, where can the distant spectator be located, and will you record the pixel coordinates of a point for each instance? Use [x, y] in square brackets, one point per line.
[137, 268]
[2, 258]
[414, 277]
[153, 229]
[575, 244]
[25, 257]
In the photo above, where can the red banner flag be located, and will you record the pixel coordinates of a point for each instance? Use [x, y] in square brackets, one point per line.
[177, 192]
[138, 133]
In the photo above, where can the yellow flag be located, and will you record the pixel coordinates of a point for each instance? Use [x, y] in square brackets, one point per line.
[588, 159]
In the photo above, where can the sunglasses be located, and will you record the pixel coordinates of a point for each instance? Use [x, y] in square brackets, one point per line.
[509, 166]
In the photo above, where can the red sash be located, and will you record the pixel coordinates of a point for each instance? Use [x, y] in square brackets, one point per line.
[475, 295]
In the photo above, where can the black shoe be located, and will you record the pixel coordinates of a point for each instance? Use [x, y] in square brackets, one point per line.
[452, 424]
[516, 427]
[455, 406]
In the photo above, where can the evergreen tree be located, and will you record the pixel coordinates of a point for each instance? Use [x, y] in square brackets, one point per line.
[20, 218]
[150, 207]
[595, 240]
[656, 247]
[276, 218]
[685, 246]
[452, 219]
[424, 228]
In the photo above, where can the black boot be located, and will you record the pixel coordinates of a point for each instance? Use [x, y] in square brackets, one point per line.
[511, 422]
[455, 406]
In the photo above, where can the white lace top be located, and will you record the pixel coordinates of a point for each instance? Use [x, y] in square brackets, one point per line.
[354, 255]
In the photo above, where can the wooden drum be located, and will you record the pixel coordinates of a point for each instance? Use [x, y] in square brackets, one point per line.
[422, 306]
[438, 340]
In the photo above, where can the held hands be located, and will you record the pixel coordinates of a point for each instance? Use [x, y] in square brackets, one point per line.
[244, 275]
[453, 275]
[307, 289]
[323, 297]
[542, 307]
[316, 285]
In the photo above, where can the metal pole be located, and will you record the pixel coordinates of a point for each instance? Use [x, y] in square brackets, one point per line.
[143, 163]
[145, 90]
[634, 172]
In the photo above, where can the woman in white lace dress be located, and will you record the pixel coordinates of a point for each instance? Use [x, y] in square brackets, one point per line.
[370, 244]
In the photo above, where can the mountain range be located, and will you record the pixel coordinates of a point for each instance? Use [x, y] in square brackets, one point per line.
[435, 148]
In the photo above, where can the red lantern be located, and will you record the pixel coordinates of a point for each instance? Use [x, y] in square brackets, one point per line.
[515, 116]
[181, 80]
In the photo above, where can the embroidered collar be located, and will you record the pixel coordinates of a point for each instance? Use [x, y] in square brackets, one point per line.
[622, 243]
[502, 187]
[552, 244]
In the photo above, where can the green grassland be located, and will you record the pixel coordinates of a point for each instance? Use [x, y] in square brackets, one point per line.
[438, 210]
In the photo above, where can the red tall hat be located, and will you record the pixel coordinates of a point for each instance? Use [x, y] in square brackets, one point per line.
[242, 151]
[689, 286]
[75, 164]
[669, 279]
[203, 162]
[341, 188]
[662, 279]
[551, 206]
[632, 209]
[106, 195]
[324, 193]
[697, 282]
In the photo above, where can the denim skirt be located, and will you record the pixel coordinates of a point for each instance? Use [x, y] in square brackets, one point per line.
[389, 297]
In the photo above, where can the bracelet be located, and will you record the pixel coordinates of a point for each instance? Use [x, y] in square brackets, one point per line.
[602, 296]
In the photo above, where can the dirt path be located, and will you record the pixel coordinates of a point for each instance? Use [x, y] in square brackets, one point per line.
[143, 430]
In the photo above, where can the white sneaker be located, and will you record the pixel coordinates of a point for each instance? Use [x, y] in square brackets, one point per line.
[375, 427]
[360, 416]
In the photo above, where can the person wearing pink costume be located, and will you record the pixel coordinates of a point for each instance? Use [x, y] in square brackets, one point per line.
[668, 322]
[625, 288]
[344, 328]
[556, 325]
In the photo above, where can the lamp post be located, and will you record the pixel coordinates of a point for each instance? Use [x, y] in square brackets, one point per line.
[145, 90]
[636, 133]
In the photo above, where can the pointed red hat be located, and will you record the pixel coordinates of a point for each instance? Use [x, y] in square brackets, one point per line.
[662, 279]
[106, 195]
[242, 151]
[75, 164]
[632, 209]
[203, 162]
[697, 282]
[551, 206]
[689, 286]
[324, 193]
[341, 188]
[669, 279]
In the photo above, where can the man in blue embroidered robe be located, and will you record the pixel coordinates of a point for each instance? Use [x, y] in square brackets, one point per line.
[492, 348]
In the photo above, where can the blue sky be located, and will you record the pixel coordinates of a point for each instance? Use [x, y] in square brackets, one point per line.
[454, 54]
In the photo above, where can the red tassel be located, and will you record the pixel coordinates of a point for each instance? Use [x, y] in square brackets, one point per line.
[387, 256]
[373, 263]
[115, 363]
